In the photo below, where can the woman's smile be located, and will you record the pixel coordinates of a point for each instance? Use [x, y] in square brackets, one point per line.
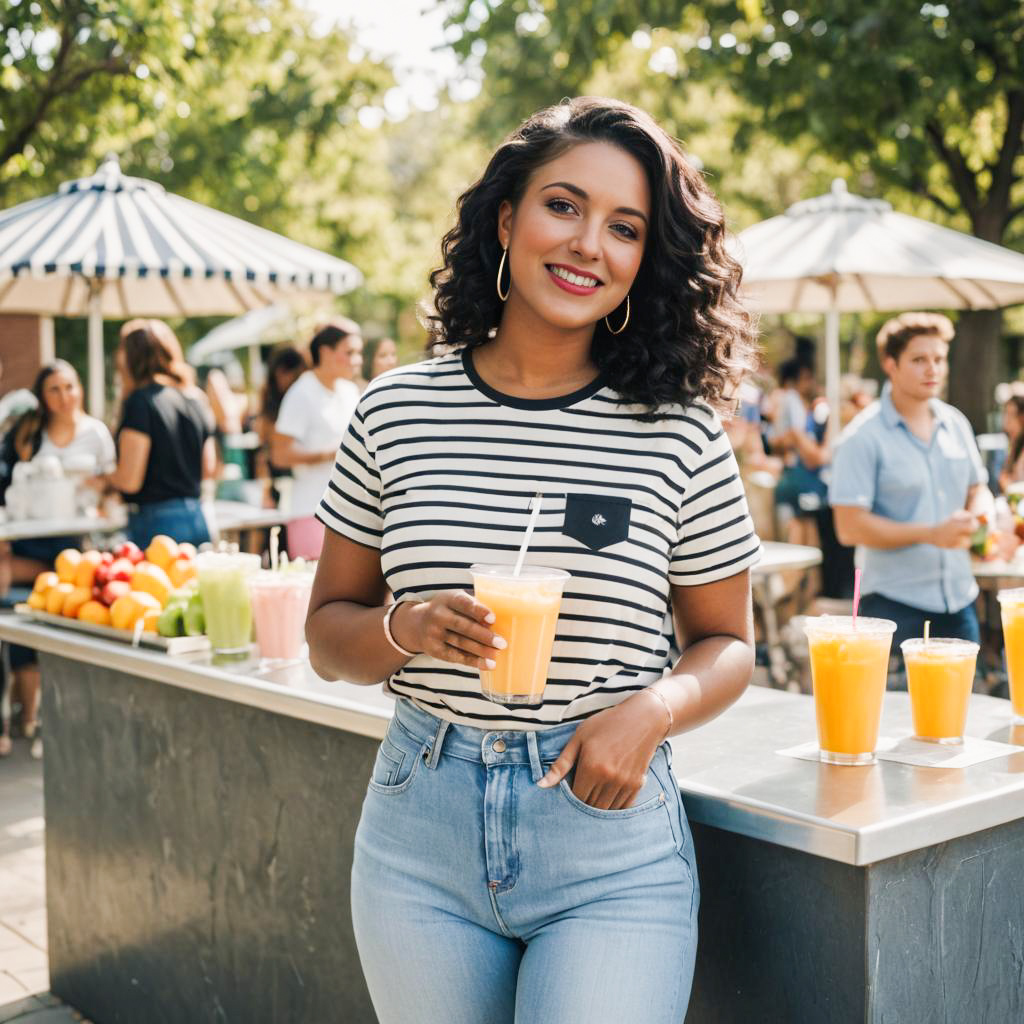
[573, 280]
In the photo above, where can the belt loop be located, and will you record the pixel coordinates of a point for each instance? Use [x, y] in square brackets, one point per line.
[434, 750]
[536, 769]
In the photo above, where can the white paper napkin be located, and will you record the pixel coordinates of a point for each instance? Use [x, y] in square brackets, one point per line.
[908, 750]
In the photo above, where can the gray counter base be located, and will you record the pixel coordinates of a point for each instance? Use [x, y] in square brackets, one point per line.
[931, 937]
[197, 856]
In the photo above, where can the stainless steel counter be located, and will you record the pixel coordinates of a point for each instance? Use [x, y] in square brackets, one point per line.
[728, 771]
[732, 778]
[295, 690]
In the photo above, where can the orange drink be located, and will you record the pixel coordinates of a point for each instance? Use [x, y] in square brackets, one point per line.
[526, 612]
[849, 666]
[939, 676]
[1011, 604]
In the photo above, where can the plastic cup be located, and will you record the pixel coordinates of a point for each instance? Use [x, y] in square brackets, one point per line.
[526, 612]
[1011, 605]
[223, 587]
[280, 601]
[940, 673]
[849, 667]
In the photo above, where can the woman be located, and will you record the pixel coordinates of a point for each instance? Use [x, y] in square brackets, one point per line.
[285, 366]
[379, 356]
[1013, 426]
[165, 439]
[58, 426]
[311, 421]
[533, 862]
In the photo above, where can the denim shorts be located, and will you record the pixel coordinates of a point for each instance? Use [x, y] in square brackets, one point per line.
[480, 898]
[179, 518]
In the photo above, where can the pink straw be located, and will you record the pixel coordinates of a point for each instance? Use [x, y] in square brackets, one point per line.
[856, 595]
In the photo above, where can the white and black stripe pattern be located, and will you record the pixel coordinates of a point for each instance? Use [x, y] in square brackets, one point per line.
[126, 233]
[437, 470]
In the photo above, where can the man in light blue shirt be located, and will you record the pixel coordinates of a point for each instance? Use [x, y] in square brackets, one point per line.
[908, 485]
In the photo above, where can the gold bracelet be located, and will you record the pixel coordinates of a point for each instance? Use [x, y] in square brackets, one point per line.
[671, 718]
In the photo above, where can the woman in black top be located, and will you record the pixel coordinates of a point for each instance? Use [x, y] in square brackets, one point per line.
[165, 438]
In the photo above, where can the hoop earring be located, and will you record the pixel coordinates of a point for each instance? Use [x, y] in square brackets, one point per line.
[624, 322]
[501, 269]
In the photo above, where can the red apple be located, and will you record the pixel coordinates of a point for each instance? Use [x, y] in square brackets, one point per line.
[121, 569]
[106, 558]
[102, 575]
[97, 591]
[113, 590]
[130, 550]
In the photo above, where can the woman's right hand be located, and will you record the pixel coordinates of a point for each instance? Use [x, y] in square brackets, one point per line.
[452, 626]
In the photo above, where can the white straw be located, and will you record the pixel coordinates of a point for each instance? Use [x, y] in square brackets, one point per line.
[275, 533]
[537, 499]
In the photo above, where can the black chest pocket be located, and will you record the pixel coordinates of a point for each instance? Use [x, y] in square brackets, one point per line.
[596, 520]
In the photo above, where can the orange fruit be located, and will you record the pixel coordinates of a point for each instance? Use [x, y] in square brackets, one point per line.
[149, 621]
[151, 579]
[95, 612]
[127, 610]
[180, 571]
[162, 550]
[44, 581]
[37, 600]
[56, 596]
[67, 564]
[74, 601]
[87, 569]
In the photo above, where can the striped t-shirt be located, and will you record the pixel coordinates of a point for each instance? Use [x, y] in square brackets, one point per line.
[438, 471]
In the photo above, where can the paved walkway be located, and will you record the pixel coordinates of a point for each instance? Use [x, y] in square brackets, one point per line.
[24, 971]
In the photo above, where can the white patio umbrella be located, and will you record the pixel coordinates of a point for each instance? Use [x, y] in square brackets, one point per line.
[840, 253]
[268, 324]
[110, 246]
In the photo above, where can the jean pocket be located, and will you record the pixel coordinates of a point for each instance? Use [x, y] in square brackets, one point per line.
[597, 520]
[395, 767]
[650, 798]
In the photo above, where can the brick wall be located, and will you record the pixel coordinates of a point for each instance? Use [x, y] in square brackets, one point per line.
[19, 350]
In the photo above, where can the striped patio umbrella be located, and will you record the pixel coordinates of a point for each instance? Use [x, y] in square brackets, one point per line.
[110, 246]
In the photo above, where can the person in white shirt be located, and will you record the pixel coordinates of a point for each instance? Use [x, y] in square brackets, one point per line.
[59, 427]
[313, 418]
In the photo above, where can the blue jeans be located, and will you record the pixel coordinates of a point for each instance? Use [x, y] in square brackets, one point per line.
[961, 625]
[479, 898]
[179, 518]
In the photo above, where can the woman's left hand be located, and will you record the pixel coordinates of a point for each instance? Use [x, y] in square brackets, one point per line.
[612, 752]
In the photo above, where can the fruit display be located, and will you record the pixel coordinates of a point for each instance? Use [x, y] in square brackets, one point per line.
[125, 587]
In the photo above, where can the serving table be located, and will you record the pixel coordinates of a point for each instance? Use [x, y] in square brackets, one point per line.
[62, 526]
[200, 818]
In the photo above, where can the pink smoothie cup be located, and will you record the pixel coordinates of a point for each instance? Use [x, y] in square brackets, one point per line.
[280, 601]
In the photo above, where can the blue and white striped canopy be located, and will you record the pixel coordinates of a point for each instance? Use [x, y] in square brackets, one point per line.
[150, 253]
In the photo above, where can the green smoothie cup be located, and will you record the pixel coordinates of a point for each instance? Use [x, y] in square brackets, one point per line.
[224, 589]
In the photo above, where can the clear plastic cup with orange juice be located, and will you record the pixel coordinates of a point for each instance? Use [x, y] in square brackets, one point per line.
[849, 666]
[940, 672]
[1011, 604]
[526, 612]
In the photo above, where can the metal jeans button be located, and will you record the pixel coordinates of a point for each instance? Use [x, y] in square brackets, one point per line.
[498, 746]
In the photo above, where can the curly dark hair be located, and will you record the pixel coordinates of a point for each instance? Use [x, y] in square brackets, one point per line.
[688, 336]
